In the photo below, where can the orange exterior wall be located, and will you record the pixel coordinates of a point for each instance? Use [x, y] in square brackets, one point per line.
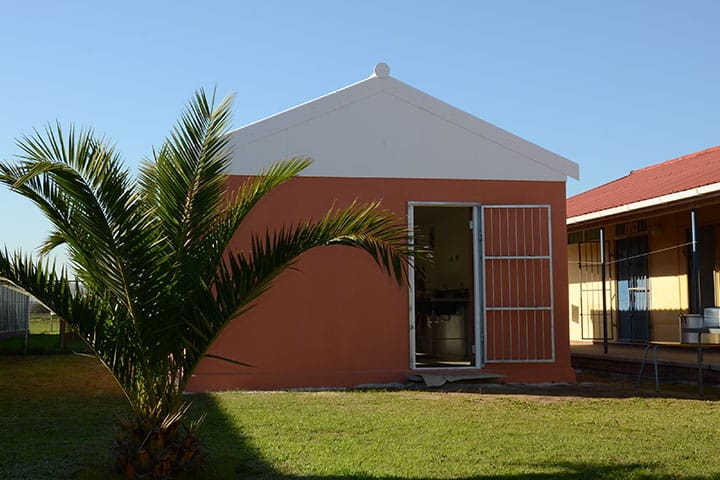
[337, 319]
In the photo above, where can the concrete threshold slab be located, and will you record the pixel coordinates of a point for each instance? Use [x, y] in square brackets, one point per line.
[439, 379]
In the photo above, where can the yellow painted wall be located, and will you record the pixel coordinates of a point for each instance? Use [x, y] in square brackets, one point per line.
[574, 293]
[667, 264]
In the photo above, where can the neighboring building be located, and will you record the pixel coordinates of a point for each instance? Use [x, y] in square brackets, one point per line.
[491, 205]
[647, 221]
[14, 312]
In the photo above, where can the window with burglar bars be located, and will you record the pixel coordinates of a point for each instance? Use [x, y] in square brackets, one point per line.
[517, 269]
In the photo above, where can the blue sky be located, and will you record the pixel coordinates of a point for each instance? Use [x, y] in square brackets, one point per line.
[612, 85]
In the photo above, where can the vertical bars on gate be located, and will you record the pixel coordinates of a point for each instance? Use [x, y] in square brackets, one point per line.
[517, 268]
[590, 284]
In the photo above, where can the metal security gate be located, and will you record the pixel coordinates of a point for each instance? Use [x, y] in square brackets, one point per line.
[518, 281]
[591, 291]
[633, 289]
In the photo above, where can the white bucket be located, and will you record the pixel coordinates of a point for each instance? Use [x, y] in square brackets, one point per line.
[712, 317]
[690, 321]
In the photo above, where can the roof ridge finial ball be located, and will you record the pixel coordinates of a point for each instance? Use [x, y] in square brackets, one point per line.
[382, 70]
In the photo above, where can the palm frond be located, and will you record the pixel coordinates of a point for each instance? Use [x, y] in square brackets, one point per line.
[159, 284]
[86, 315]
[80, 185]
[238, 206]
[187, 177]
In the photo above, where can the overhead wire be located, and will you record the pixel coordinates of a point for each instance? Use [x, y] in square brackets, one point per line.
[640, 255]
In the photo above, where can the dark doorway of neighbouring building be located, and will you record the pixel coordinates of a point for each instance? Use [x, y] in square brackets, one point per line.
[633, 289]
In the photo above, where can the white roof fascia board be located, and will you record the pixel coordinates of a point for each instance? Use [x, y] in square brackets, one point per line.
[374, 85]
[482, 128]
[304, 112]
[648, 203]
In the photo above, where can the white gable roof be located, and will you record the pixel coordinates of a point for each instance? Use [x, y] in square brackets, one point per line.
[381, 127]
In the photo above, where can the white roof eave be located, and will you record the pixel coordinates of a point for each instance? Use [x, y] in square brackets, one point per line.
[380, 81]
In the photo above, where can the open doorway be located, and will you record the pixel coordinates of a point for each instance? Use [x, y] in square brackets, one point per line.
[444, 290]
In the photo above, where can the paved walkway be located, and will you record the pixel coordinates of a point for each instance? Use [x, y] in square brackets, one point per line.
[634, 352]
[674, 364]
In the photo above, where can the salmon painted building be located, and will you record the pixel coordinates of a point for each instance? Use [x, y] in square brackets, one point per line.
[657, 230]
[490, 205]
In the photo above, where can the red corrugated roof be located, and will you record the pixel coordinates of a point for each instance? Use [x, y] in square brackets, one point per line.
[676, 175]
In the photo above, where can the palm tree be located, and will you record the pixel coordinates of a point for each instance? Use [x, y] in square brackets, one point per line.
[159, 282]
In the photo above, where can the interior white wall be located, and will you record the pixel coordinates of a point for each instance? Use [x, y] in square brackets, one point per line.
[452, 266]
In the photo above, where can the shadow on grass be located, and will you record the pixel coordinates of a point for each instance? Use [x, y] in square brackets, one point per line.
[671, 391]
[41, 344]
[593, 386]
[231, 456]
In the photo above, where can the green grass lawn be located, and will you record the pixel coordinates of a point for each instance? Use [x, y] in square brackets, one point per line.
[44, 323]
[58, 412]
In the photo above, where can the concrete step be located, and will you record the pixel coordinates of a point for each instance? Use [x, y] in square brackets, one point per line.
[439, 379]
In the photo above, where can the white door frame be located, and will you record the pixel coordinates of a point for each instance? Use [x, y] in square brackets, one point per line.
[478, 285]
